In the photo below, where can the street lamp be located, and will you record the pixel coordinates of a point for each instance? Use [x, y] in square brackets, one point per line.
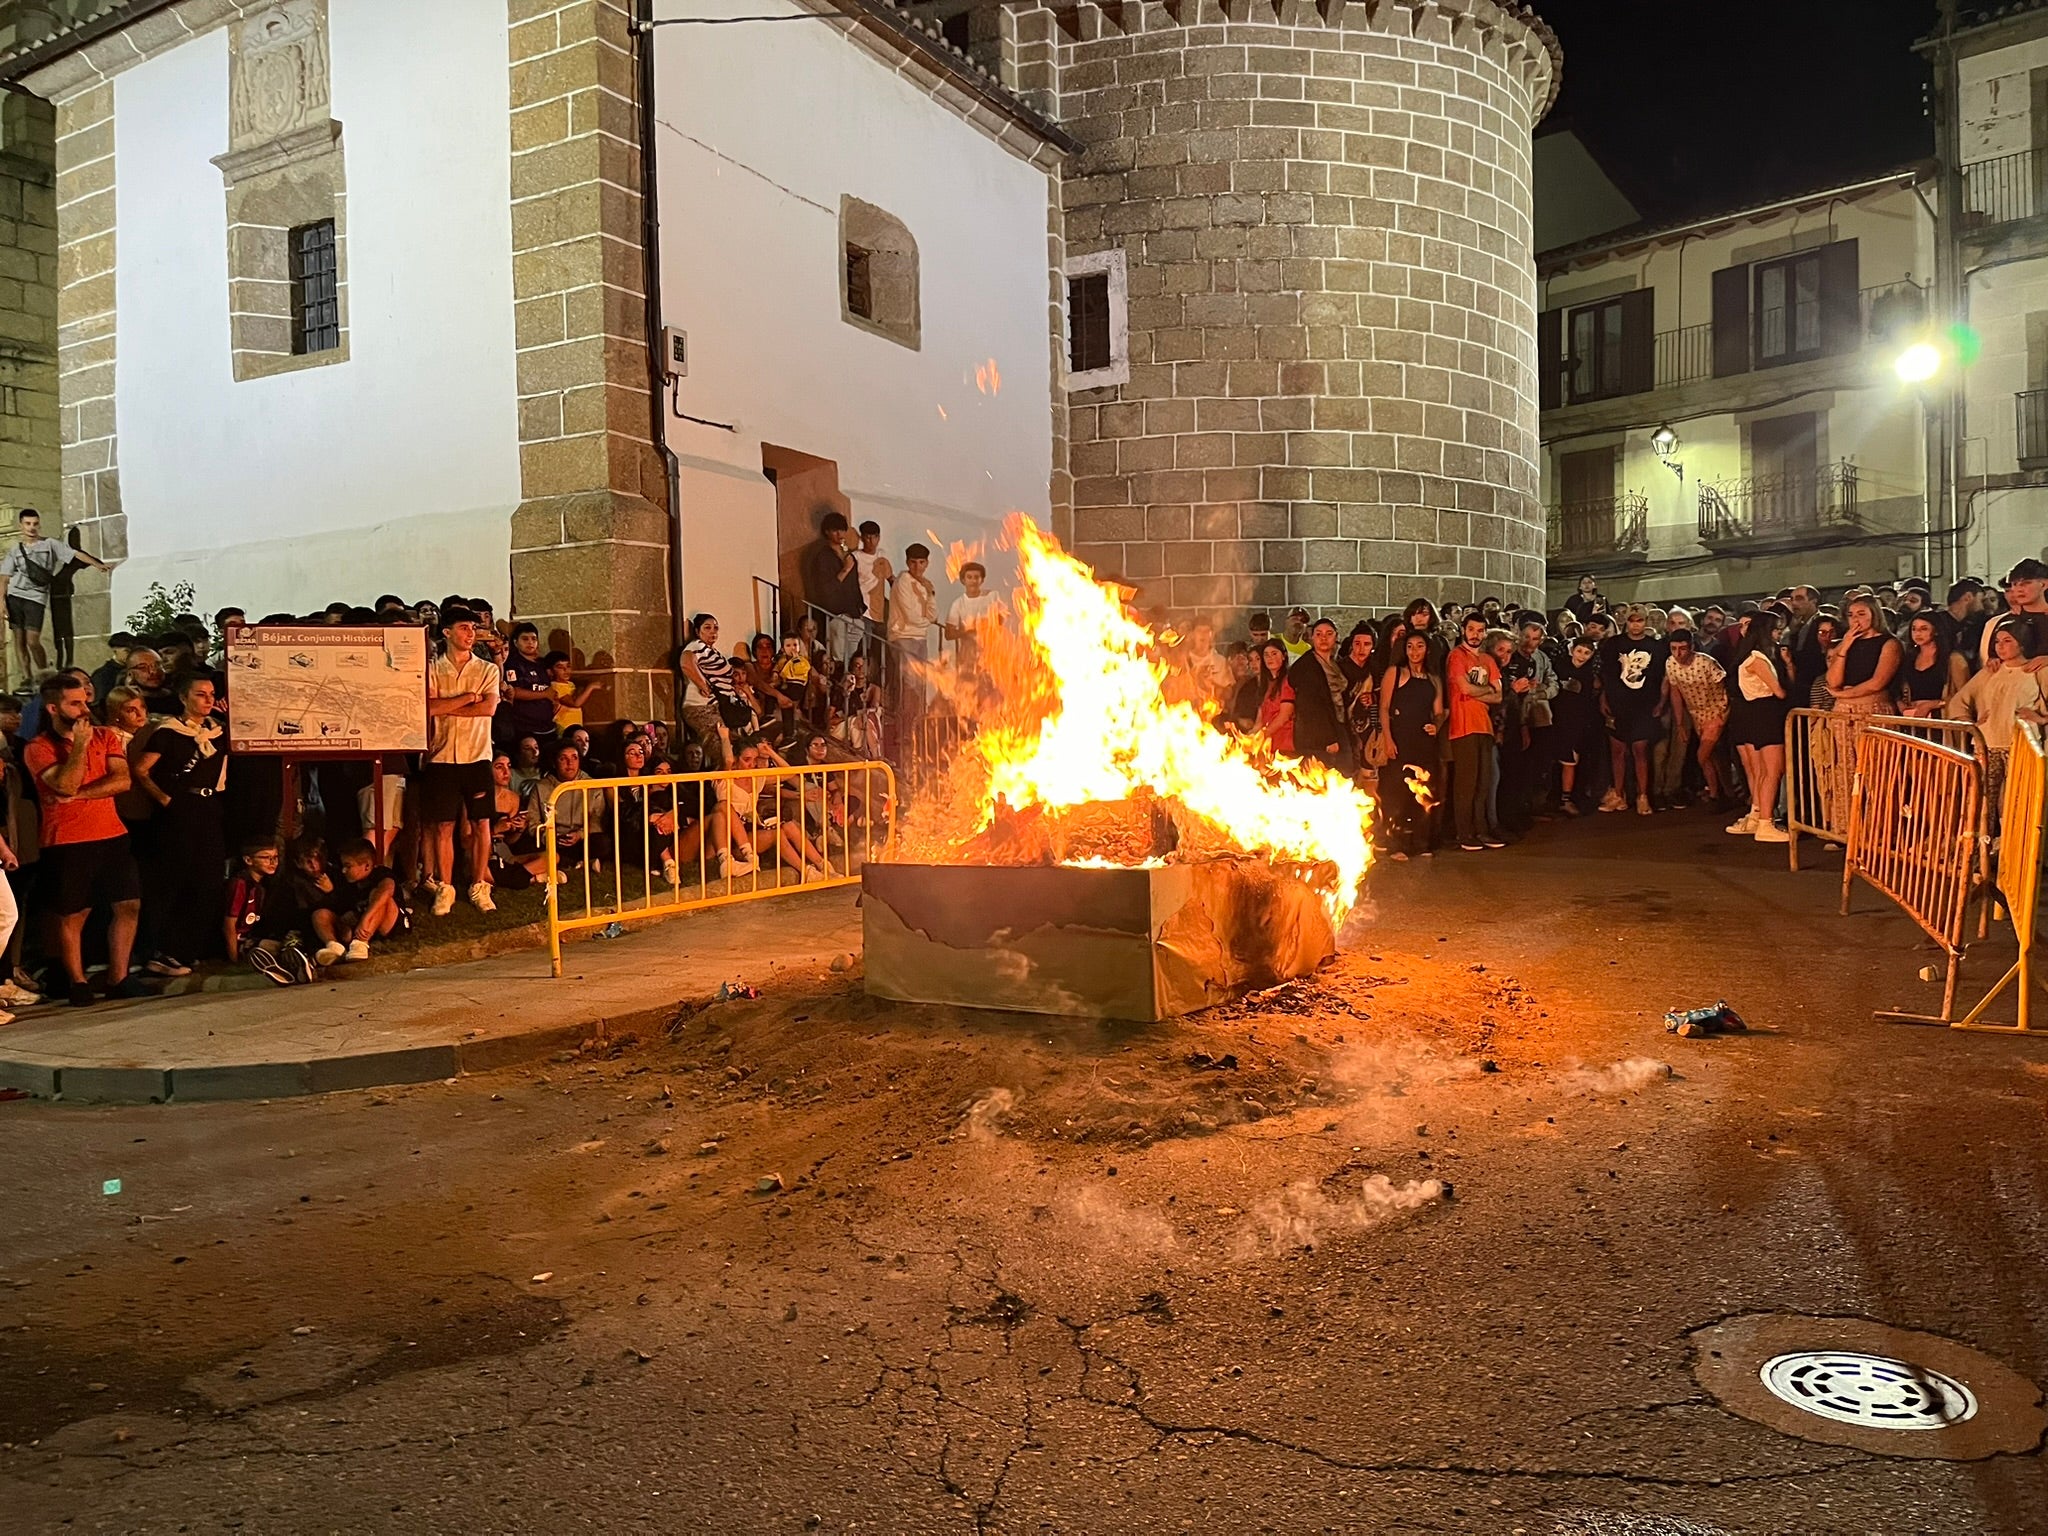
[1918, 363]
[1664, 440]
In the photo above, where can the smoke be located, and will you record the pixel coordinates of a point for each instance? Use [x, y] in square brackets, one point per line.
[986, 1115]
[1106, 1222]
[1301, 1215]
[1392, 1066]
[1623, 1077]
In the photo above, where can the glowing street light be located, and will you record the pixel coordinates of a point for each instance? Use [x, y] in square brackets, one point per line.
[1918, 363]
[1664, 440]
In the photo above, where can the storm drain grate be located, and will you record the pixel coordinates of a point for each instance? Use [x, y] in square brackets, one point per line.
[1858, 1382]
[1870, 1390]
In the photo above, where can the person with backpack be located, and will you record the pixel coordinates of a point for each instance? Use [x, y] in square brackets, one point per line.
[32, 569]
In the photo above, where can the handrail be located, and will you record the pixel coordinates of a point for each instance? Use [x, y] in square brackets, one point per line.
[736, 834]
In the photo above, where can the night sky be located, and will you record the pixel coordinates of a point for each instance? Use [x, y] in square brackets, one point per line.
[1694, 106]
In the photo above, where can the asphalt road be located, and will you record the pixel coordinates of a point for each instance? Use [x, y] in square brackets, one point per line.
[1022, 1276]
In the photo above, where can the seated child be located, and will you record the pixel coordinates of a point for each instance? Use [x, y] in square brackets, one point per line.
[260, 916]
[362, 904]
[570, 696]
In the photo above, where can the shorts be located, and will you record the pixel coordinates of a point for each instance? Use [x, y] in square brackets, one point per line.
[24, 613]
[394, 804]
[76, 877]
[1637, 725]
[449, 789]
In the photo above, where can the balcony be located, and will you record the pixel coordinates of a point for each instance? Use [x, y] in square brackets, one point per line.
[1686, 355]
[1781, 508]
[2001, 191]
[1606, 525]
[2031, 408]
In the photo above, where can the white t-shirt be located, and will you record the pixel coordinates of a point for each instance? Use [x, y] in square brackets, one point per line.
[976, 612]
[46, 557]
[455, 739]
[870, 583]
[913, 609]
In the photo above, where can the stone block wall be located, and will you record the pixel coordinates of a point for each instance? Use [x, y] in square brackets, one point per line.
[590, 540]
[28, 309]
[1326, 216]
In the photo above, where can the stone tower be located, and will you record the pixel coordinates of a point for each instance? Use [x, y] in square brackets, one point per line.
[1324, 211]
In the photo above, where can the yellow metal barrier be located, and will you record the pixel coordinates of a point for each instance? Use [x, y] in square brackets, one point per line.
[1915, 812]
[662, 843]
[1820, 775]
[2023, 811]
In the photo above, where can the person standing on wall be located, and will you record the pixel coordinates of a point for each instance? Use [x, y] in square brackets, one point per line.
[832, 586]
[913, 610]
[32, 568]
[462, 698]
[875, 576]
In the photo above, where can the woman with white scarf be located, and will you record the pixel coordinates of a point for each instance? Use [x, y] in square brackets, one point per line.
[183, 768]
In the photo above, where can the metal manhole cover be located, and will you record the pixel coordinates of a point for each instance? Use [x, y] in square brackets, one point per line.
[1853, 1388]
[1851, 1381]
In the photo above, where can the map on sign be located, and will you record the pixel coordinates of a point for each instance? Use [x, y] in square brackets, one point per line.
[313, 689]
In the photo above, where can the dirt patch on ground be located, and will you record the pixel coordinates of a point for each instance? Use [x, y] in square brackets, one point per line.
[1370, 1023]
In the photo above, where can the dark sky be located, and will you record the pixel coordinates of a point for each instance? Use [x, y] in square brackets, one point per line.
[1699, 105]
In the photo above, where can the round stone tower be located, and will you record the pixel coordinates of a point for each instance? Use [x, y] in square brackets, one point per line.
[1324, 219]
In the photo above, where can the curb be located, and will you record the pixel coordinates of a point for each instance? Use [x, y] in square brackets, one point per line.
[330, 1074]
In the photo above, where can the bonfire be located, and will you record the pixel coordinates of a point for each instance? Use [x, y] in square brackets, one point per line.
[1082, 754]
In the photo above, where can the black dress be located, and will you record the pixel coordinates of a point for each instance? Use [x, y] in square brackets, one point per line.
[1926, 685]
[186, 858]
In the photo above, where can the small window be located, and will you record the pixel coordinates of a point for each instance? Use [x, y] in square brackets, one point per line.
[1088, 322]
[878, 276]
[1098, 320]
[860, 291]
[316, 301]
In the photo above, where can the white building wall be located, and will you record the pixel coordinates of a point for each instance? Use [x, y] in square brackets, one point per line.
[763, 129]
[1876, 421]
[1996, 100]
[396, 470]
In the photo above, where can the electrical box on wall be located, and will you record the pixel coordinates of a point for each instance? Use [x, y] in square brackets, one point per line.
[675, 353]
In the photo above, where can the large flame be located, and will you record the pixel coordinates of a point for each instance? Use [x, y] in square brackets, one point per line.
[1079, 715]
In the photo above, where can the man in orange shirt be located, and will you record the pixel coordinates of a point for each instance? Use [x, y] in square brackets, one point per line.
[1475, 765]
[77, 768]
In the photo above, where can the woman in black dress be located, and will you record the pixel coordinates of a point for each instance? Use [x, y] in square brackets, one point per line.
[183, 769]
[1933, 673]
[1757, 707]
[1412, 710]
[1863, 664]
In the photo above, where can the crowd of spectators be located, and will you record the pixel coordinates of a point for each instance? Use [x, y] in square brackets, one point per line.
[137, 845]
[1472, 723]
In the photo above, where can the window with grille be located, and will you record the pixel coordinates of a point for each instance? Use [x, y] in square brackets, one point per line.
[860, 281]
[1088, 343]
[1098, 323]
[316, 297]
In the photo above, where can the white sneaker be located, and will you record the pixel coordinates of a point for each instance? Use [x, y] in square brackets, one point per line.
[670, 873]
[1771, 832]
[358, 949]
[1642, 805]
[20, 997]
[479, 897]
[444, 899]
[328, 953]
[1742, 828]
[1612, 801]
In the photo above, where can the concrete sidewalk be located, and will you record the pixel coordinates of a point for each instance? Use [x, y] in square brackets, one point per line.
[416, 1026]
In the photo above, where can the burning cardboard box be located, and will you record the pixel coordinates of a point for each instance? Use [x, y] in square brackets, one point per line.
[1108, 943]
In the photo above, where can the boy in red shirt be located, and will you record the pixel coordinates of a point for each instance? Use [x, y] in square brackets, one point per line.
[1475, 768]
[77, 768]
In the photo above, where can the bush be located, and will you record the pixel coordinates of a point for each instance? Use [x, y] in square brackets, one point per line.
[160, 607]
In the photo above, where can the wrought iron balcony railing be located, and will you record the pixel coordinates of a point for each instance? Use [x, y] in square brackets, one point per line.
[2031, 407]
[2002, 190]
[1605, 525]
[1687, 353]
[1778, 506]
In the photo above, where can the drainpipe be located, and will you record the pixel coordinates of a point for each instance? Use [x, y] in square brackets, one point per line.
[657, 363]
